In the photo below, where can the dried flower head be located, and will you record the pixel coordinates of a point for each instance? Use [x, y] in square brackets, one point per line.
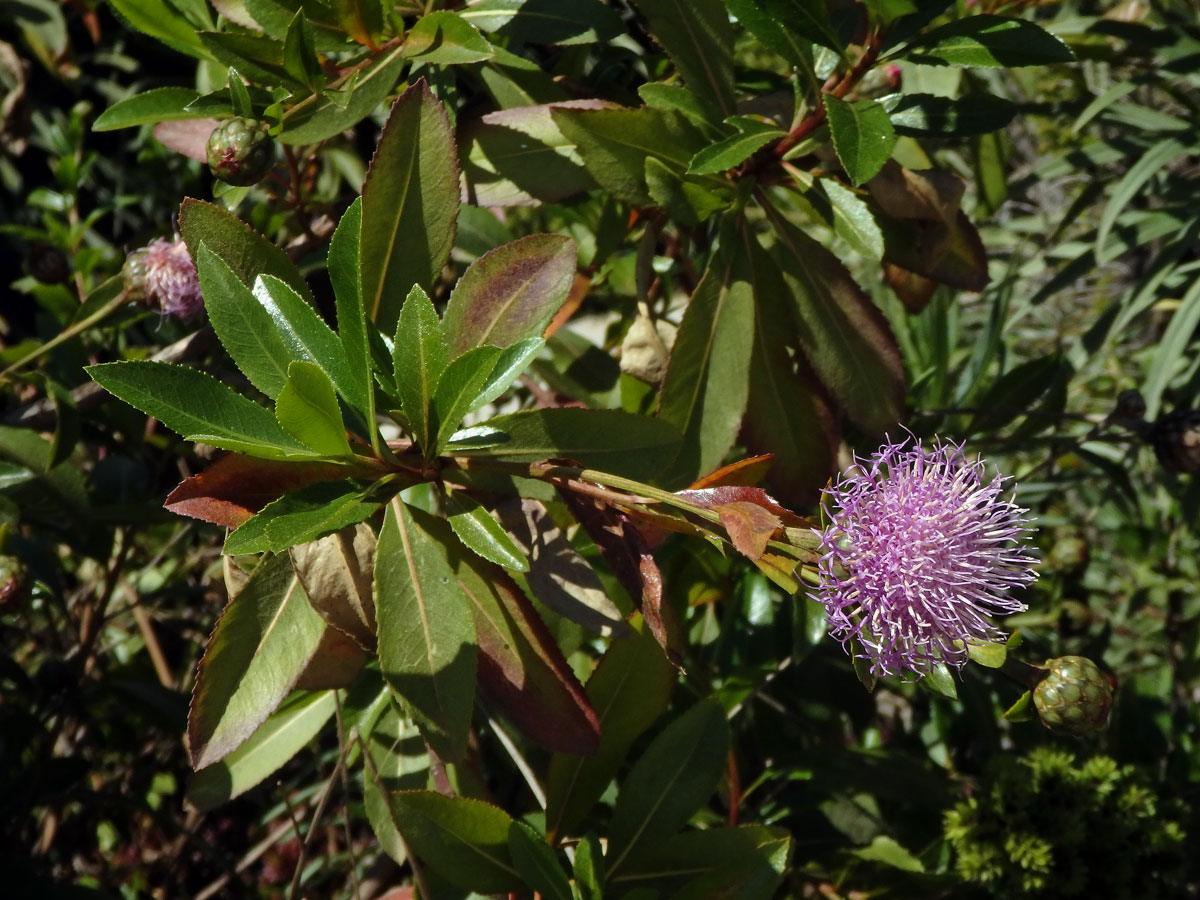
[918, 552]
[162, 272]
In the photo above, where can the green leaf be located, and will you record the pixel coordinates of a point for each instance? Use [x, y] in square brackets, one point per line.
[240, 247]
[1172, 352]
[464, 841]
[589, 868]
[684, 199]
[1149, 164]
[321, 116]
[678, 98]
[285, 732]
[243, 326]
[538, 863]
[198, 407]
[344, 265]
[1019, 711]
[445, 39]
[12, 475]
[419, 355]
[699, 39]
[862, 136]
[479, 531]
[614, 145]
[258, 57]
[262, 643]
[167, 104]
[396, 759]
[988, 653]
[510, 294]
[155, 18]
[707, 382]
[426, 632]
[843, 335]
[987, 40]
[789, 27]
[302, 515]
[733, 150]
[509, 366]
[740, 862]
[919, 115]
[629, 690]
[886, 850]
[305, 333]
[307, 408]
[460, 384]
[674, 777]
[409, 206]
[239, 96]
[610, 440]
[940, 680]
[853, 220]
[564, 22]
[300, 55]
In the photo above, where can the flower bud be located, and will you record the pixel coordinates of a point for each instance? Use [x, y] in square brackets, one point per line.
[162, 275]
[240, 151]
[1074, 696]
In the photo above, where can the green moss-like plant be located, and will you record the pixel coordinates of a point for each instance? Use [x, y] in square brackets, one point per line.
[1045, 826]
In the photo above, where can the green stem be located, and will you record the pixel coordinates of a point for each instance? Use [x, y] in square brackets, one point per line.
[65, 335]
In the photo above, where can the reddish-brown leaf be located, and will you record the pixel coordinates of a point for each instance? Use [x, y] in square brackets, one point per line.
[629, 557]
[913, 290]
[744, 472]
[235, 487]
[712, 498]
[521, 667]
[749, 526]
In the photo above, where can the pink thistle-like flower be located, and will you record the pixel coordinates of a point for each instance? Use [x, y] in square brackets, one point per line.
[168, 278]
[919, 551]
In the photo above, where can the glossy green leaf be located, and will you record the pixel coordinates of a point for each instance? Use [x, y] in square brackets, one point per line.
[563, 22]
[285, 732]
[258, 57]
[538, 863]
[464, 841]
[302, 515]
[673, 778]
[614, 145]
[510, 364]
[699, 39]
[919, 115]
[300, 55]
[426, 632]
[262, 643]
[988, 40]
[991, 654]
[731, 151]
[444, 38]
[940, 680]
[305, 333]
[678, 98]
[157, 19]
[479, 531]
[510, 294]
[240, 247]
[344, 265]
[419, 354]
[843, 335]
[12, 475]
[342, 105]
[863, 136]
[610, 440]
[629, 690]
[166, 104]
[198, 407]
[789, 27]
[853, 220]
[1019, 711]
[307, 408]
[460, 384]
[243, 326]
[409, 205]
[707, 382]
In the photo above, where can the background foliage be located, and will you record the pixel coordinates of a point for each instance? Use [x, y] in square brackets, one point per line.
[758, 226]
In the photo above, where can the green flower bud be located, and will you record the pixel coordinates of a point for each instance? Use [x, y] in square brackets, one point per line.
[1074, 697]
[240, 151]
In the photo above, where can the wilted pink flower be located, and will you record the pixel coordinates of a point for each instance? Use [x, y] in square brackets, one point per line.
[918, 552]
[167, 278]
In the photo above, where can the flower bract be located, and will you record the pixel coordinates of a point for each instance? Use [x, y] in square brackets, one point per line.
[920, 549]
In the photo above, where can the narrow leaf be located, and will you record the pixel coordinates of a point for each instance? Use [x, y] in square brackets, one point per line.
[303, 515]
[699, 39]
[457, 389]
[323, 115]
[307, 408]
[862, 136]
[480, 532]
[988, 40]
[345, 266]
[538, 863]
[261, 645]
[148, 108]
[731, 151]
[419, 356]
[426, 632]
[410, 204]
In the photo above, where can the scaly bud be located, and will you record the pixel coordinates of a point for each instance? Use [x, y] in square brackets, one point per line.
[1074, 697]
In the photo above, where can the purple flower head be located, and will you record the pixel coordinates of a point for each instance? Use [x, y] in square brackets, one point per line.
[167, 278]
[919, 551]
